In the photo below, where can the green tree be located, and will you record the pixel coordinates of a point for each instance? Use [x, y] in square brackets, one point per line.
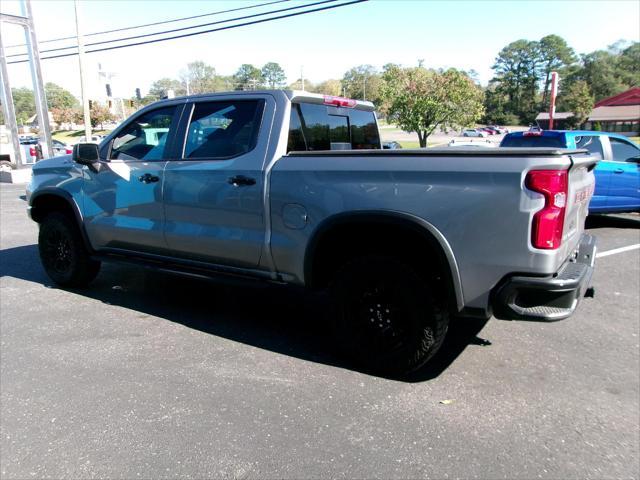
[363, 82]
[248, 77]
[420, 100]
[66, 115]
[330, 87]
[201, 78]
[160, 88]
[577, 99]
[100, 114]
[516, 69]
[273, 75]
[24, 103]
[58, 97]
[629, 65]
[555, 55]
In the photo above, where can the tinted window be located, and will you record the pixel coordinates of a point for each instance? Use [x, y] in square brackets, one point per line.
[145, 138]
[533, 141]
[322, 127]
[591, 143]
[364, 131]
[223, 129]
[623, 151]
[296, 140]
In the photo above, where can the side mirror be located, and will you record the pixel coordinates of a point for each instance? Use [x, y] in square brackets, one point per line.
[87, 154]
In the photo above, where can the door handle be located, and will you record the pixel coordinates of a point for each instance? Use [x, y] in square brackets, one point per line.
[241, 181]
[618, 170]
[148, 178]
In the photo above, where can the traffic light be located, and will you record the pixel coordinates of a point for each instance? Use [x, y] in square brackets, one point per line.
[130, 103]
[108, 90]
[90, 104]
[110, 103]
[138, 94]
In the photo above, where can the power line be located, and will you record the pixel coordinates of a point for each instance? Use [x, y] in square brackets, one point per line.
[229, 27]
[220, 12]
[297, 7]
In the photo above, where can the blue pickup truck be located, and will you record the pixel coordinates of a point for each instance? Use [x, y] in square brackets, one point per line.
[617, 174]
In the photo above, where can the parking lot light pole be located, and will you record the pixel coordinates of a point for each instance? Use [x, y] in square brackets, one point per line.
[42, 109]
[83, 85]
[8, 107]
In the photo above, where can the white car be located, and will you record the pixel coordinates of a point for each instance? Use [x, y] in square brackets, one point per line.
[472, 132]
[471, 143]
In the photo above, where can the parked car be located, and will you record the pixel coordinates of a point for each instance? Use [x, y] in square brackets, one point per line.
[471, 143]
[617, 174]
[391, 145]
[8, 161]
[94, 139]
[60, 148]
[472, 132]
[488, 130]
[499, 129]
[258, 185]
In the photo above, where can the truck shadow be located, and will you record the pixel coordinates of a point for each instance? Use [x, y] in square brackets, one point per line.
[272, 318]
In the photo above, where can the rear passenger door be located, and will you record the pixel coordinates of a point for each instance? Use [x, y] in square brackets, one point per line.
[213, 191]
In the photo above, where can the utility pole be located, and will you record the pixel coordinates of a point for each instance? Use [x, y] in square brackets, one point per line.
[83, 85]
[554, 91]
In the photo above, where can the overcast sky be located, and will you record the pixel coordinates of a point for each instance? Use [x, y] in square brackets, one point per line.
[461, 34]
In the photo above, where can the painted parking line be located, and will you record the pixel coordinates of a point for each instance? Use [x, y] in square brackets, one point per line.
[618, 250]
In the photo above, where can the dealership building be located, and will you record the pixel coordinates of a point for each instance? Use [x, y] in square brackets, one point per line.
[619, 114]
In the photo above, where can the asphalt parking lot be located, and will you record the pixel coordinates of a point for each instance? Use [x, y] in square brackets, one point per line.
[153, 376]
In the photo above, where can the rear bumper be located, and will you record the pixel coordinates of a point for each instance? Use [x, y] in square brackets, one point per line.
[549, 298]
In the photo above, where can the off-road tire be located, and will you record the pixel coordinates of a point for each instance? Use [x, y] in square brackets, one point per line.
[384, 315]
[63, 253]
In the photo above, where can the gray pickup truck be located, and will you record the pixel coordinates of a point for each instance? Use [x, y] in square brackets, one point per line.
[294, 188]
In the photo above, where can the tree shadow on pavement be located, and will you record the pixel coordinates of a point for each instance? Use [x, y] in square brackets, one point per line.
[278, 319]
[611, 221]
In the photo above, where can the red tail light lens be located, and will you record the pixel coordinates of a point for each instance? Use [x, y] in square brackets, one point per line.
[548, 223]
[339, 101]
[68, 151]
[33, 152]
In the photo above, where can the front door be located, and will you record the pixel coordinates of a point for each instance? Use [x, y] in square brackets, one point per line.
[123, 199]
[213, 194]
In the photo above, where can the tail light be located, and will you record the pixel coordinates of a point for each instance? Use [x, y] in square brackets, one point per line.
[548, 223]
[33, 151]
[339, 101]
[68, 151]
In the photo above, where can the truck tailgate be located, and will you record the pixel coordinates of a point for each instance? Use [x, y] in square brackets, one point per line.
[580, 189]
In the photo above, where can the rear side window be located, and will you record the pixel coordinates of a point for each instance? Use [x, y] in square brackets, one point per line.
[533, 141]
[591, 143]
[320, 127]
[223, 129]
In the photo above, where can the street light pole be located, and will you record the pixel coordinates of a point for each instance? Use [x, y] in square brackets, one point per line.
[83, 85]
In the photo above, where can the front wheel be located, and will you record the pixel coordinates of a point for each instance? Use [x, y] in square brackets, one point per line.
[385, 315]
[63, 254]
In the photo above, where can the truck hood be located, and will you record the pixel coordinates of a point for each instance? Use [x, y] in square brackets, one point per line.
[53, 162]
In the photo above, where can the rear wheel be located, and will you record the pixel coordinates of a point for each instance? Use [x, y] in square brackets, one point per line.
[63, 254]
[385, 315]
